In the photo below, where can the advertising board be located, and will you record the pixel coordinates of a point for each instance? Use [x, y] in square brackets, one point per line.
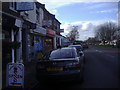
[15, 75]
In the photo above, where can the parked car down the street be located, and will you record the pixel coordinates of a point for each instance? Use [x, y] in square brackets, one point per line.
[85, 46]
[63, 64]
[78, 47]
[80, 52]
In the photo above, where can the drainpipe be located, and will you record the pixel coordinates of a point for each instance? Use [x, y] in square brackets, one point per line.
[19, 50]
[13, 57]
[55, 42]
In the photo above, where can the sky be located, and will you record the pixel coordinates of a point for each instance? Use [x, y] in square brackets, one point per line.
[86, 14]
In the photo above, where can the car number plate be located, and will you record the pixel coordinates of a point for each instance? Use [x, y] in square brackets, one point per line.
[54, 69]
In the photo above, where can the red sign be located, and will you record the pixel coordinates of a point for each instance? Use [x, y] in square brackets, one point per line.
[70, 38]
[50, 33]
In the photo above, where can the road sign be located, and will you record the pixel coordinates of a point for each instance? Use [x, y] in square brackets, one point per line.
[15, 75]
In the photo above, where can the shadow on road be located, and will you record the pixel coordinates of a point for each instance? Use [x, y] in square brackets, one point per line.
[58, 85]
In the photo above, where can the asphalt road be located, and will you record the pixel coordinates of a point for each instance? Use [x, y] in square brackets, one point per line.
[101, 71]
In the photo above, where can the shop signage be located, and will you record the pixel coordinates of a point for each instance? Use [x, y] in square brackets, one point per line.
[18, 23]
[24, 6]
[40, 30]
[62, 30]
[50, 33]
[70, 38]
[15, 75]
[28, 26]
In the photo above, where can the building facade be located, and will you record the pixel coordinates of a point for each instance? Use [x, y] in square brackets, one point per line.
[48, 25]
[11, 33]
[34, 30]
[29, 25]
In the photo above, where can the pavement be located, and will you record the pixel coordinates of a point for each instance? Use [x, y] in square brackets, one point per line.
[29, 76]
[30, 71]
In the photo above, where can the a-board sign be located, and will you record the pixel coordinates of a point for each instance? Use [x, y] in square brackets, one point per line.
[15, 75]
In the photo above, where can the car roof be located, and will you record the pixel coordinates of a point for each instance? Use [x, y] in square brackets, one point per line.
[64, 48]
[67, 48]
[75, 45]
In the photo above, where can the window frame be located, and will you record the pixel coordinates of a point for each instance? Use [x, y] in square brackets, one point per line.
[12, 5]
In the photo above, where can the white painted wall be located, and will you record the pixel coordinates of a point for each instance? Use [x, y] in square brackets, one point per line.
[41, 16]
[32, 15]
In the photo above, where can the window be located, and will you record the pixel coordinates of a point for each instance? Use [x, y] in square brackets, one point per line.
[63, 53]
[12, 4]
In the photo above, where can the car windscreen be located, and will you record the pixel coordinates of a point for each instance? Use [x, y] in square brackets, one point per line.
[63, 53]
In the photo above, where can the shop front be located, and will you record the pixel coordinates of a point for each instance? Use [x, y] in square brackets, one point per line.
[49, 40]
[39, 34]
[38, 44]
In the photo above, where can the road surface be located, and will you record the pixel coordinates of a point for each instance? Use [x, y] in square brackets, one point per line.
[101, 71]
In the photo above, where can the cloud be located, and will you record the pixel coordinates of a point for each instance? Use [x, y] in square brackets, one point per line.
[54, 11]
[77, 1]
[52, 4]
[86, 28]
[106, 11]
[97, 5]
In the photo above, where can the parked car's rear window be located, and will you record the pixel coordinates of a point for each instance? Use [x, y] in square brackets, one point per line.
[63, 53]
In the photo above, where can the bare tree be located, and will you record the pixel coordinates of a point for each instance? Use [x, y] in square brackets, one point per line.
[74, 34]
[106, 31]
